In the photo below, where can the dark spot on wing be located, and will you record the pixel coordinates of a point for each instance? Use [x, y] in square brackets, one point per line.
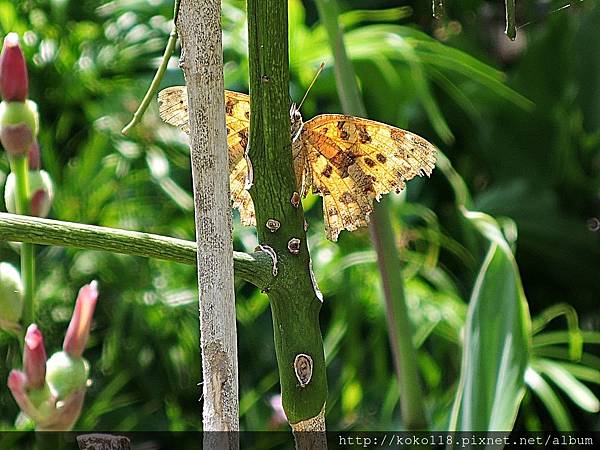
[369, 162]
[363, 135]
[382, 159]
[397, 135]
[229, 107]
[342, 161]
[346, 198]
[327, 172]
[244, 138]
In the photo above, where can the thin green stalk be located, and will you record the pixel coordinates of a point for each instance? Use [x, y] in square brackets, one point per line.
[158, 76]
[295, 304]
[255, 268]
[20, 168]
[400, 327]
[511, 27]
[438, 8]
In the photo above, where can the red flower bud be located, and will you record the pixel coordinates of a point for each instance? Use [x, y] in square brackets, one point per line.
[35, 162]
[14, 84]
[17, 382]
[34, 358]
[41, 193]
[81, 321]
[16, 139]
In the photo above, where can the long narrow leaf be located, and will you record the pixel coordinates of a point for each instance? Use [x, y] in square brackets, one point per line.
[542, 389]
[574, 389]
[496, 347]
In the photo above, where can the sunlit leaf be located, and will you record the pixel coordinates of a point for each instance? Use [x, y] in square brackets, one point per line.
[576, 391]
[496, 343]
[542, 389]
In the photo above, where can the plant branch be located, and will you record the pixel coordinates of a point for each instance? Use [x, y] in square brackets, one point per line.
[255, 268]
[438, 8]
[295, 304]
[158, 76]
[511, 26]
[382, 235]
[20, 168]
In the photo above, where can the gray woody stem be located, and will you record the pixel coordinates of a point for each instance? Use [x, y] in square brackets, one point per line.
[199, 28]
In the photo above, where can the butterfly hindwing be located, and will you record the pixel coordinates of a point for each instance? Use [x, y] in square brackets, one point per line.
[173, 109]
[353, 161]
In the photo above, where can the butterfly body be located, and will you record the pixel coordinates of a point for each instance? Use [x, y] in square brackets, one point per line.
[349, 161]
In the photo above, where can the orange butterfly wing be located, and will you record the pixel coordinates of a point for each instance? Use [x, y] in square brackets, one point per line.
[353, 161]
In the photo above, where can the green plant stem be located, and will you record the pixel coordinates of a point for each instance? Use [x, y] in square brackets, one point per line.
[20, 168]
[158, 76]
[255, 268]
[295, 304]
[438, 8]
[511, 27]
[399, 325]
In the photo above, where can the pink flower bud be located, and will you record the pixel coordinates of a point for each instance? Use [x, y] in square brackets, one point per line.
[81, 321]
[40, 203]
[14, 84]
[16, 139]
[19, 125]
[41, 193]
[17, 383]
[35, 162]
[34, 358]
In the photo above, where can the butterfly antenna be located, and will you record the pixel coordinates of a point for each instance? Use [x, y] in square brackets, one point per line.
[321, 67]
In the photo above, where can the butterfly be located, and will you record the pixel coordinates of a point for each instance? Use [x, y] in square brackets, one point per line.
[349, 161]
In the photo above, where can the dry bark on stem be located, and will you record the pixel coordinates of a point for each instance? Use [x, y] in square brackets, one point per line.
[103, 442]
[199, 28]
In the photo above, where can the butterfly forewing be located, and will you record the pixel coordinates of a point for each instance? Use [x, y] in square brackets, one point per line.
[354, 161]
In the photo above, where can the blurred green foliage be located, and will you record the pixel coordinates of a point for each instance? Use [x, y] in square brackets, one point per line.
[520, 121]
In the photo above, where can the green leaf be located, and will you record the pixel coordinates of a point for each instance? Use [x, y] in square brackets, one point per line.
[575, 337]
[497, 344]
[575, 390]
[582, 372]
[564, 337]
[542, 389]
